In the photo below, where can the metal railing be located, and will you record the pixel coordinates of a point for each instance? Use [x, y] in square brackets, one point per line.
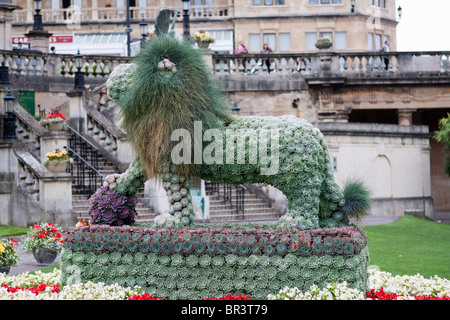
[87, 178]
[225, 192]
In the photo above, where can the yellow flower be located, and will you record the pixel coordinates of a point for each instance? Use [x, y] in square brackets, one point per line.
[2, 247]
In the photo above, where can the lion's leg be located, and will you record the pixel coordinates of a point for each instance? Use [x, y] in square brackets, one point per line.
[303, 212]
[181, 210]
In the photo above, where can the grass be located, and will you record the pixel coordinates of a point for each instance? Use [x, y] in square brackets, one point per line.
[9, 231]
[410, 246]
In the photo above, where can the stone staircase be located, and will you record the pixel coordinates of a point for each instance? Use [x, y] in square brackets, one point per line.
[256, 208]
[80, 202]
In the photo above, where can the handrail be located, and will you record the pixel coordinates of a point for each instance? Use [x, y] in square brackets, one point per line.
[82, 159]
[79, 135]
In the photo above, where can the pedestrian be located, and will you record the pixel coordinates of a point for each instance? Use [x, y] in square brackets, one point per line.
[241, 49]
[266, 50]
[52, 50]
[386, 58]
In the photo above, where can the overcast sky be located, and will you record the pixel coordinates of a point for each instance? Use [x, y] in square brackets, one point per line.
[424, 26]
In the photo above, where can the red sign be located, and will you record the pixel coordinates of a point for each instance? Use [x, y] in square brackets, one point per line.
[17, 40]
[52, 39]
[61, 39]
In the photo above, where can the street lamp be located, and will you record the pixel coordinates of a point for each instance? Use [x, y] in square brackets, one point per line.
[37, 17]
[353, 6]
[79, 75]
[9, 122]
[400, 11]
[143, 26]
[186, 31]
[128, 30]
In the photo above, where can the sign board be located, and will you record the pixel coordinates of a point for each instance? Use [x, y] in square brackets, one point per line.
[52, 39]
[27, 101]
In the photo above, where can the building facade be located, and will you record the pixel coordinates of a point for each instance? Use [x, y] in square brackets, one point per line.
[98, 26]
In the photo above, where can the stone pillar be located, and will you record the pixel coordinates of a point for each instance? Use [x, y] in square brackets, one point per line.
[94, 10]
[207, 56]
[405, 117]
[38, 40]
[53, 141]
[6, 18]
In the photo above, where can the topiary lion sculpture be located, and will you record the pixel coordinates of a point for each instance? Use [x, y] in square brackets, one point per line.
[178, 121]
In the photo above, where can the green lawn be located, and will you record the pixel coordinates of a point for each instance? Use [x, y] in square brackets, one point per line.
[9, 231]
[410, 246]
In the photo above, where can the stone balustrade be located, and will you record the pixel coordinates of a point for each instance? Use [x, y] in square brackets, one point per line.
[53, 191]
[29, 130]
[26, 62]
[336, 63]
[74, 15]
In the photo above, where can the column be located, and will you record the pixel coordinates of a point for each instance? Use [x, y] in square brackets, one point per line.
[405, 117]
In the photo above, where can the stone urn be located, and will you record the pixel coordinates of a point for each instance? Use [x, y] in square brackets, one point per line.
[4, 269]
[57, 166]
[323, 44]
[44, 256]
[55, 126]
[203, 45]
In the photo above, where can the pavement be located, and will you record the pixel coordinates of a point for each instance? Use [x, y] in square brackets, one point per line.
[29, 264]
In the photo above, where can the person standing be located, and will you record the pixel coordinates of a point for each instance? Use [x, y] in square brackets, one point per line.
[386, 58]
[241, 49]
[266, 50]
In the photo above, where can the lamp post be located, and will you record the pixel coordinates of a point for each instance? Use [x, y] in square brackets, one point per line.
[128, 30]
[400, 11]
[4, 74]
[37, 25]
[9, 122]
[353, 5]
[186, 31]
[143, 26]
[79, 75]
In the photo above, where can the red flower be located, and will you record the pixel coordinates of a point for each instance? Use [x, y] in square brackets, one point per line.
[41, 236]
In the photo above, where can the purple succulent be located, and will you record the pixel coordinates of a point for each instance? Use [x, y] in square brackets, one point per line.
[112, 208]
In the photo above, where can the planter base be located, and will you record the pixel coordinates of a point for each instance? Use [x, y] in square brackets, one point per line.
[4, 269]
[194, 263]
[44, 256]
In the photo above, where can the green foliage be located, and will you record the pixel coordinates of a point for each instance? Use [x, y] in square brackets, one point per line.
[443, 136]
[357, 198]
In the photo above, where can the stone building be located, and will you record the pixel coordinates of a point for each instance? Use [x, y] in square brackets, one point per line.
[286, 25]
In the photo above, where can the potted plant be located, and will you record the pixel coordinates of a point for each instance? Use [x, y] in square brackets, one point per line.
[203, 39]
[53, 121]
[44, 241]
[323, 43]
[57, 161]
[8, 255]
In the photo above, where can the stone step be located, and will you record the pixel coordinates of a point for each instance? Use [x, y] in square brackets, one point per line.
[232, 208]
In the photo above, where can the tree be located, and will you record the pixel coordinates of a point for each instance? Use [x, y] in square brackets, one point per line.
[443, 136]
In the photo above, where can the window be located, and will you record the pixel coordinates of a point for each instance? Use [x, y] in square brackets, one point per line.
[284, 42]
[268, 2]
[325, 1]
[370, 41]
[310, 39]
[255, 42]
[379, 3]
[270, 39]
[341, 40]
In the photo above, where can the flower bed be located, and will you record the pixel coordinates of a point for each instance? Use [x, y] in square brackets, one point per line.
[181, 263]
[46, 286]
